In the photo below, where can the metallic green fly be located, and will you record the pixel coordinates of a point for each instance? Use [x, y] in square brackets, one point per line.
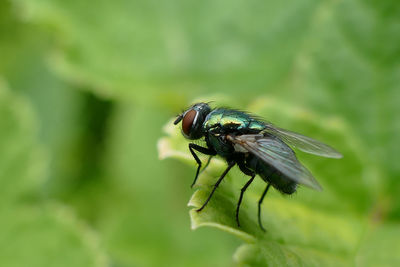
[256, 146]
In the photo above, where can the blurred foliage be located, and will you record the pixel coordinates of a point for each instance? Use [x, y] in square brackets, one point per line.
[35, 233]
[88, 85]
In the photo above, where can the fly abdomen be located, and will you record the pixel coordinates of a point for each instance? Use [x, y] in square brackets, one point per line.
[271, 175]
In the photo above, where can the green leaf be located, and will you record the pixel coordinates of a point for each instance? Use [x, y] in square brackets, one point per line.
[308, 229]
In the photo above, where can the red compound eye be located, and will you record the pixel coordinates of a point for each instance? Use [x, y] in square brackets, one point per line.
[188, 120]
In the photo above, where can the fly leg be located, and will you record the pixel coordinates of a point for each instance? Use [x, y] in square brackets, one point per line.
[203, 150]
[207, 163]
[259, 206]
[230, 165]
[248, 172]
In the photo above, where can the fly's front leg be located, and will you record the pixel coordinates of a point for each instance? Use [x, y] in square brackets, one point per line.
[203, 150]
[207, 163]
[230, 165]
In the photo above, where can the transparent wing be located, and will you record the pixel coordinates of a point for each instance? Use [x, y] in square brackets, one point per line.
[277, 154]
[302, 142]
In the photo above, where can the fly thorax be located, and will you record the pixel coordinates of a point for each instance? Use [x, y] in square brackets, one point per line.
[220, 144]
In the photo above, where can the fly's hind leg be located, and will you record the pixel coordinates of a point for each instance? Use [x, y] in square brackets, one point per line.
[203, 150]
[248, 172]
[259, 206]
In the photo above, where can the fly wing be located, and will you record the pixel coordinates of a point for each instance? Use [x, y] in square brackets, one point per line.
[277, 154]
[302, 142]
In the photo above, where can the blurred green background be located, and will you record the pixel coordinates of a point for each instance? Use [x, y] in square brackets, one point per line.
[86, 87]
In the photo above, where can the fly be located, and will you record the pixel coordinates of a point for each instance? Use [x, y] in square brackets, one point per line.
[257, 147]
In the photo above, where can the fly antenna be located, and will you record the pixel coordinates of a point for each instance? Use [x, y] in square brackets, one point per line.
[178, 119]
